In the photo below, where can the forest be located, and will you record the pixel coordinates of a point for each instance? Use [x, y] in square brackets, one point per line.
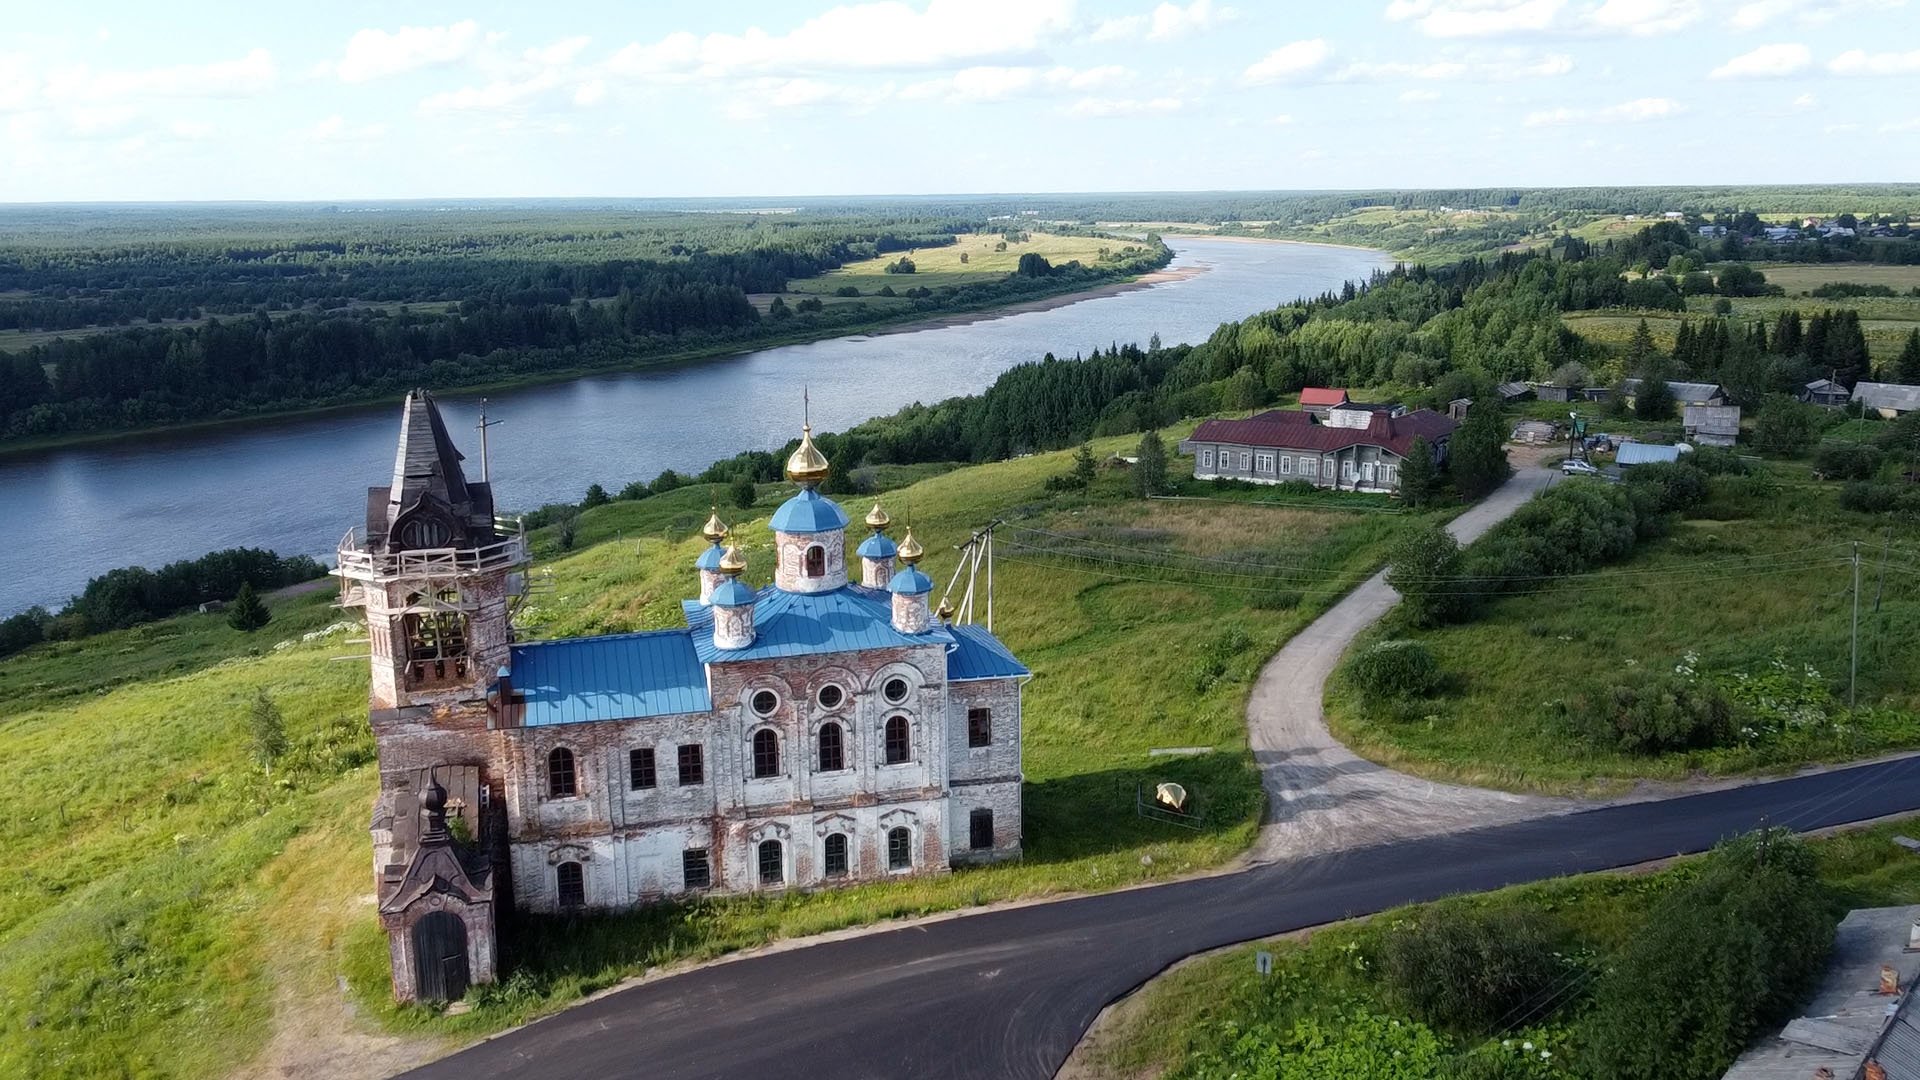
[204, 315]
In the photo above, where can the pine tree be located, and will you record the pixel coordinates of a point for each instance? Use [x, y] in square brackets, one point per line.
[1847, 349]
[1417, 475]
[1640, 349]
[1907, 369]
[247, 613]
[1150, 468]
[269, 731]
[1478, 455]
[1083, 465]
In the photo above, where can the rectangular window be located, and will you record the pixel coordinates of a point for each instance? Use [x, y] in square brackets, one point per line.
[836, 855]
[692, 770]
[1309, 466]
[695, 873]
[979, 727]
[980, 829]
[1286, 465]
[1246, 461]
[640, 766]
[1346, 469]
[1389, 474]
[1206, 459]
[1263, 463]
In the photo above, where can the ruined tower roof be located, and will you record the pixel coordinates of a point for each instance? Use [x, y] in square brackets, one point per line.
[430, 503]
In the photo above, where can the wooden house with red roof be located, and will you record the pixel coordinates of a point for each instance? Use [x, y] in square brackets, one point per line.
[1281, 445]
[1316, 400]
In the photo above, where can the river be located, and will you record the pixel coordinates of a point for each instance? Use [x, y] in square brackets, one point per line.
[296, 484]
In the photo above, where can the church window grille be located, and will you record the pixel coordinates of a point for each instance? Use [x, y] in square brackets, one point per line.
[895, 690]
[695, 871]
[773, 868]
[833, 748]
[766, 754]
[572, 885]
[899, 743]
[765, 702]
[831, 696]
[836, 861]
[979, 727]
[693, 769]
[435, 640]
[640, 765]
[900, 848]
[816, 561]
[980, 829]
[560, 783]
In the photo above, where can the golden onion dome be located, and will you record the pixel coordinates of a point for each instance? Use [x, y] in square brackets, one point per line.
[910, 549]
[714, 530]
[732, 562]
[877, 518]
[806, 465]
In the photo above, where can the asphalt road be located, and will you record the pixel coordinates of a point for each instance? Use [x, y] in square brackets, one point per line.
[1008, 993]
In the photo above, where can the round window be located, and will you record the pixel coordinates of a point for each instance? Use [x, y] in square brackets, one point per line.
[765, 702]
[831, 696]
[896, 690]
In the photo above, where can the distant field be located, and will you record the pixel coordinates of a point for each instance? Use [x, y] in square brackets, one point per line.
[16, 340]
[1886, 322]
[938, 266]
[1804, 277]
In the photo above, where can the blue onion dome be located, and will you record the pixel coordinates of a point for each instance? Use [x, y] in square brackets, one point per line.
[878, 546]
[710, 558]
[808, 512]
[910, 582]
[732, 593]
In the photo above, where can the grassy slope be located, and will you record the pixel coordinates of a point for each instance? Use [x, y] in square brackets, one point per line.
[163, 896]
[1495, 724]
[1182, 1012]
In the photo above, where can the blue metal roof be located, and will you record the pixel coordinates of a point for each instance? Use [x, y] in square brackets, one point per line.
[710, 558]
[731, 593]
[977, 654]
[878, 546]
[911, 581]
[1639, 453]
[809, 512]
[614, 677]
[846, 619]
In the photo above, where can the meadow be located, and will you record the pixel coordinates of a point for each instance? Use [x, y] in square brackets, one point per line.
[170, 903]
[989, 257]
[1886, 321]
[1330, 975]
[1745, 582]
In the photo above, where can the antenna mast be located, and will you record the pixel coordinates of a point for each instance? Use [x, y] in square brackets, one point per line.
[486, 475]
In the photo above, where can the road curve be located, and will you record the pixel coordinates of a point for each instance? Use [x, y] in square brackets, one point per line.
[1007, 994]
[1322, 797]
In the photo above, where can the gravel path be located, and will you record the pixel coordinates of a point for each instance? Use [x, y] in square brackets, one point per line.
[1322, 797]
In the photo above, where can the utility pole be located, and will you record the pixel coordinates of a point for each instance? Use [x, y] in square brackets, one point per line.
[486, 476]
[1853, 676]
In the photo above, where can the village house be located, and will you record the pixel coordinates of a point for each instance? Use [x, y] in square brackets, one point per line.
[1316, 400]
[1684, 393]
[1281, 445]
[1357, 414]
[1887, 400]
[1825, 393]
[807, 733]
[1712, 425]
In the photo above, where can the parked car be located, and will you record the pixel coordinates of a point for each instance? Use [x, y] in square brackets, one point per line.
[1576, 467]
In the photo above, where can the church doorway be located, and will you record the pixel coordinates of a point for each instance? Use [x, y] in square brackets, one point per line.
[440, 957]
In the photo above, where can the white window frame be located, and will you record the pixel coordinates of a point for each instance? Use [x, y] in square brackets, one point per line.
[1263, 462]
[1346, 469]
[1206, 460]
[1286, 464]
[1310, 466]
[1246, 461]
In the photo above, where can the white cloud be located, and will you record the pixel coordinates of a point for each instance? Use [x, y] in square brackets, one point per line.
[1805, 101]
[1765, 62]
[1498, 67]
[1168, 22]
[1281, 120]
[1415, 97]
[1498, 18]
[1643, 18]
[376, 54]
[249, 75]
[1289, 61]
[1899, 126]
[1861, 62]
[1109, 107]
[493, 96]
[1089, 78]
[977, 84]
[886, 35]
[335, 129]
[1758, 13]
[1648, 108]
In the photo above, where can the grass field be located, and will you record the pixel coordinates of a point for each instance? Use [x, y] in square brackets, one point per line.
[1799, 278]
[935, 267]
[1496, 723]
[166, 899]
[1886, 322]
[1202, 1006]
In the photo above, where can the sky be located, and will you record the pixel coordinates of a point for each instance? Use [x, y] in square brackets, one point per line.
[347, 100]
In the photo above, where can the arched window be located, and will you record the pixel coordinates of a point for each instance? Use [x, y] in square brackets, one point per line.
[816, 561]
[833, 752]
[900, 848]
[571, 885]
[560, 774]
[836, 855]
[773, 869]
[899, 743]
[766, 754]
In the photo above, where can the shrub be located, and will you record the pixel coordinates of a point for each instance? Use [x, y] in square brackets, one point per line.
[809, 304]
[1391, 669]
[1718, 461]
[1678, 485]
[1653, 713]
[1784, 427]
[596, 496]
[1869, 497]
[741, 491]
[1426, 568]
[1847, 461]
[847, 290]
[1468, 969]
[1726, 956]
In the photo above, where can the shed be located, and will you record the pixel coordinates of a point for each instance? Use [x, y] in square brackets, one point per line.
[1639, 453]
[1457, 408]
[1712, 425]
[1887, 399]
[1535, 431]
[1318, 399]
[1514, 391]
[1684, 393]
[1552, 392]
[1596, 393]
[1825, 393]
